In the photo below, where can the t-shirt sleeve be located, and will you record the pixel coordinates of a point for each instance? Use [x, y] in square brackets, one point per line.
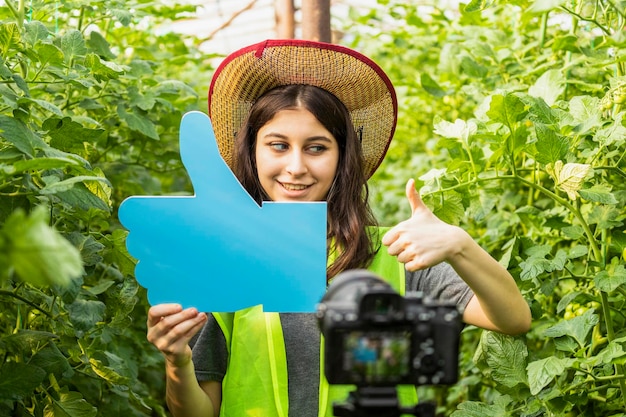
[441, 283]
[209, 352]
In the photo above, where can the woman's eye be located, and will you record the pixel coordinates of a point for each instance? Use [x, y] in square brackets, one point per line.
[317, 148]
[278, 146]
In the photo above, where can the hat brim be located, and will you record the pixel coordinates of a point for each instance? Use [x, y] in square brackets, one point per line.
[353, 78]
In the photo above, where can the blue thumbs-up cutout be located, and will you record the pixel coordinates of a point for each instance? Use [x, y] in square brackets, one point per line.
[218, 250]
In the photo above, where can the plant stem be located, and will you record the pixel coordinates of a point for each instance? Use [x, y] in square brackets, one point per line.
[30, 303]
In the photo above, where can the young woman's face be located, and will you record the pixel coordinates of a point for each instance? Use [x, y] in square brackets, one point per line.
[296, 157]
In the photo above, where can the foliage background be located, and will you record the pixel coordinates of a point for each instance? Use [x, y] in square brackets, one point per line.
[511, 120]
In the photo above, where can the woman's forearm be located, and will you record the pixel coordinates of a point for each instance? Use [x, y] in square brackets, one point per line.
[184, 396]
[495, 290]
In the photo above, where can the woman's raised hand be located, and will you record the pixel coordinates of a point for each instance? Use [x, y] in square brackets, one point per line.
[423, 240]
[170, 328]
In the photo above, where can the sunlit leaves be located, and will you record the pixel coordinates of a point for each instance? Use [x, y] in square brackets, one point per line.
[549, 193]
[502, 358]
[611, 279]
[460, 129]
[549, 86]
[17, 133]
[507, 109]
[69, 404]
[569, 177]
[73, 44]
[578, 328]
[36, 252]
[10, 38]
[63, 145]
[551, 147]
[543, 371]
[586, 112]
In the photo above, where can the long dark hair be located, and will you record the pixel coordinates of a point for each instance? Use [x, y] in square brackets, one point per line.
[350, 243]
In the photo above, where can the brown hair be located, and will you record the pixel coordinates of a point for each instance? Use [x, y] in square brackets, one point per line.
[349, 213]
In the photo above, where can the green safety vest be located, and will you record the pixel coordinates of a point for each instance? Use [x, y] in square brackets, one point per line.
[256, 380]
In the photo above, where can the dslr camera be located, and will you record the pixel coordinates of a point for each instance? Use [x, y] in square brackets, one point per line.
[375, 337]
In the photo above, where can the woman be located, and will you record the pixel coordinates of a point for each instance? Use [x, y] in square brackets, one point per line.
[312, 122]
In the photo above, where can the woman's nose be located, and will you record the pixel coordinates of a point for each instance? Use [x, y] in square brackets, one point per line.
[296, 164]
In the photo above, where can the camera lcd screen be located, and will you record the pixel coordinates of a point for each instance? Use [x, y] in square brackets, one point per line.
[376, 357]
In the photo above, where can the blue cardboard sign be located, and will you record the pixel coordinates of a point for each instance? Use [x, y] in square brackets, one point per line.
[218, 250]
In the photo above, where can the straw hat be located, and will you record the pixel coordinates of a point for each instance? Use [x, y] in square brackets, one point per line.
[353, 78]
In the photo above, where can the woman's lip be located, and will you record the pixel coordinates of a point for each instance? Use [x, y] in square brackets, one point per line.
[294, 187]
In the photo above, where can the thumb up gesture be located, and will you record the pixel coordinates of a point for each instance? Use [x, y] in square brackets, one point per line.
[423, 240]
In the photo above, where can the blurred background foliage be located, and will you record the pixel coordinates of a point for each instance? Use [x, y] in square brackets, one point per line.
[511, 121]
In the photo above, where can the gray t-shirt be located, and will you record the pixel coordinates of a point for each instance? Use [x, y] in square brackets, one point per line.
[210, 355]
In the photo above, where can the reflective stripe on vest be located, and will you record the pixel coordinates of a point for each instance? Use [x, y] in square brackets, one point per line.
[256, 380]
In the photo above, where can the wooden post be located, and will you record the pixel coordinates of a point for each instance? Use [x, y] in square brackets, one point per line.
[285, 20]
[316, 20]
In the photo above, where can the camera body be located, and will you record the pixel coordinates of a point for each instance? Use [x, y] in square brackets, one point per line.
[376, 337]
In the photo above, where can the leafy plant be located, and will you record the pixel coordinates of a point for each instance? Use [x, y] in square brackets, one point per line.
[91, 97]
[512, 119]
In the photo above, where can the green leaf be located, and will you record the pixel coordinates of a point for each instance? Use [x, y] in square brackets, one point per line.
[542, 6]
[21, 84]
[103, 70]
[100, 287]
[460, 129]
[174, 87]
[51, 360]
[478, 409]
[472, 68]
[27, 340]
[117, 252]
[69, 136]
[19, 380]
[143, 101]
[507, 109]
[611, 279]
[138, 122]
[533, 267]
[540, 112]
[107, 373]
[431, 85]
[586, 112]
[551, 147]
[45, 105]
[606, 217]
[450, 208]
[549, 86]
[35, 31]
[73, 44]
[69, 404]
[543, 371]
[10, 38]
[613, 133]
[90, 249]
[100, 45]
[574, 232]
[80, 197]
[64, 185]
[607, 356]
[478, 5]
[578, 327]
[599, 193]
[503, 358]
[39, 164]
[37, 252]
[15, 132]
[84, 314]
[578, 251]
[48, 53]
